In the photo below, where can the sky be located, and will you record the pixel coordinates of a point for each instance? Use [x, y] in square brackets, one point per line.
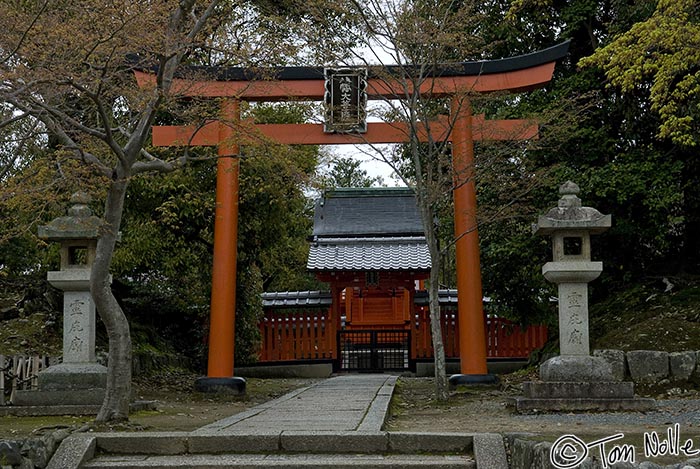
[373, 166]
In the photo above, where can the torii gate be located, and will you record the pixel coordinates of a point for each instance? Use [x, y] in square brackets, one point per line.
[519, 73]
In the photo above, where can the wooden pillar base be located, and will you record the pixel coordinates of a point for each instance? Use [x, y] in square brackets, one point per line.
[233, 385]
[460, 379]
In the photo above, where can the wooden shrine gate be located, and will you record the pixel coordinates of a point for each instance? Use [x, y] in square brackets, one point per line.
[455, 82]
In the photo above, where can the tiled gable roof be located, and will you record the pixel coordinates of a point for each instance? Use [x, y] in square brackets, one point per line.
[377, 211]
[401, 253]
[365, 229]
[296, 299]
[292, 299]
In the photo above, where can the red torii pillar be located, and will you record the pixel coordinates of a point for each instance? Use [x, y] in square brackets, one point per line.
[514, 74]
[472, 332]
[222, 323]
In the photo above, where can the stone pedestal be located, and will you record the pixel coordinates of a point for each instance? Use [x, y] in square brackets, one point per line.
[79, 380]
[66, 385]
[78, 315]
[579, 384]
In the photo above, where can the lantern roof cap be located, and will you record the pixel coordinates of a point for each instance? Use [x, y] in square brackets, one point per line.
[78, 224]
[569, 214]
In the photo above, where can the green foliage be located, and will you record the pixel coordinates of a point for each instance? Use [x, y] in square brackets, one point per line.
[162, 264]
[598, 137]
[511, 272]
[248, 313]
[346, 172]
[661, 51]
[275, 216]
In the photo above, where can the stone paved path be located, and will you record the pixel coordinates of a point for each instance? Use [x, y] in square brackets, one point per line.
[356, 403]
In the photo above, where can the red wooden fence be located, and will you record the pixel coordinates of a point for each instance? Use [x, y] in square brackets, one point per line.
[504, 338]
[421, 337]
[302, 335]
[311, 335]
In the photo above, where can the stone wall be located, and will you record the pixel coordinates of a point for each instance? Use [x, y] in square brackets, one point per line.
[524, 453]
[31, 453]
[648, 367]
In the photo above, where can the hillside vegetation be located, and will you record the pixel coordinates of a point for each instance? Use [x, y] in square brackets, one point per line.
[649, 316]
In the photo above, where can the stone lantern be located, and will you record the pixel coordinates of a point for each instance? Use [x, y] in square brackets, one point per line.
[79, 379]
[570, 225]
[575, 380]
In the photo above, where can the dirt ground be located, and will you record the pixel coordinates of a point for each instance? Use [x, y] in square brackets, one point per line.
[178, 407]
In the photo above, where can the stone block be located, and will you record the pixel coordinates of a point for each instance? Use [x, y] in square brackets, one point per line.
[212, 444]
[404, 442]
[649, 465]
[522, 453]
[310, 370]
[647, 366]
[73, 452]
[540, 455]
[79, 397]
[576, 369]
[337, 442]
[10, 453]
[427, 369]
[165, 443]
[37, 451]
[617, 361]
[682, 365]
[489, 451]
[624, 465]
[527, 405]
[73, 376]
[601, 389]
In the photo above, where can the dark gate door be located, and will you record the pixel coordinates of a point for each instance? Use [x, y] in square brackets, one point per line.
[374, 350]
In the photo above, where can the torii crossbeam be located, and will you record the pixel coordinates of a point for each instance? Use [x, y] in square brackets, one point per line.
[456, 81]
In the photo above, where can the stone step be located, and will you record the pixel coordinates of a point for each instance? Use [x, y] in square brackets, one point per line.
[254, 461]
[578, 390]
[282, 449]
[535, 405]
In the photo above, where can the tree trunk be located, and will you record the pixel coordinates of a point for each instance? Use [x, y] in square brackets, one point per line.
[427, 216]
[115, 406]
[436, 333]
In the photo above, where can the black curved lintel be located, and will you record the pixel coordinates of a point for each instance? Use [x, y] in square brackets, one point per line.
[475, 68]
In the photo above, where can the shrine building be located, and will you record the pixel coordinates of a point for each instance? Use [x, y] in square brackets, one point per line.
[368, 245]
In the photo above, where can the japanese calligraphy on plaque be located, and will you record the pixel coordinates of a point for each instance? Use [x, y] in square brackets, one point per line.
[346, 100]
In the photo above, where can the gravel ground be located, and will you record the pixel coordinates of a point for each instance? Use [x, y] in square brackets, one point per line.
[669, 411]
